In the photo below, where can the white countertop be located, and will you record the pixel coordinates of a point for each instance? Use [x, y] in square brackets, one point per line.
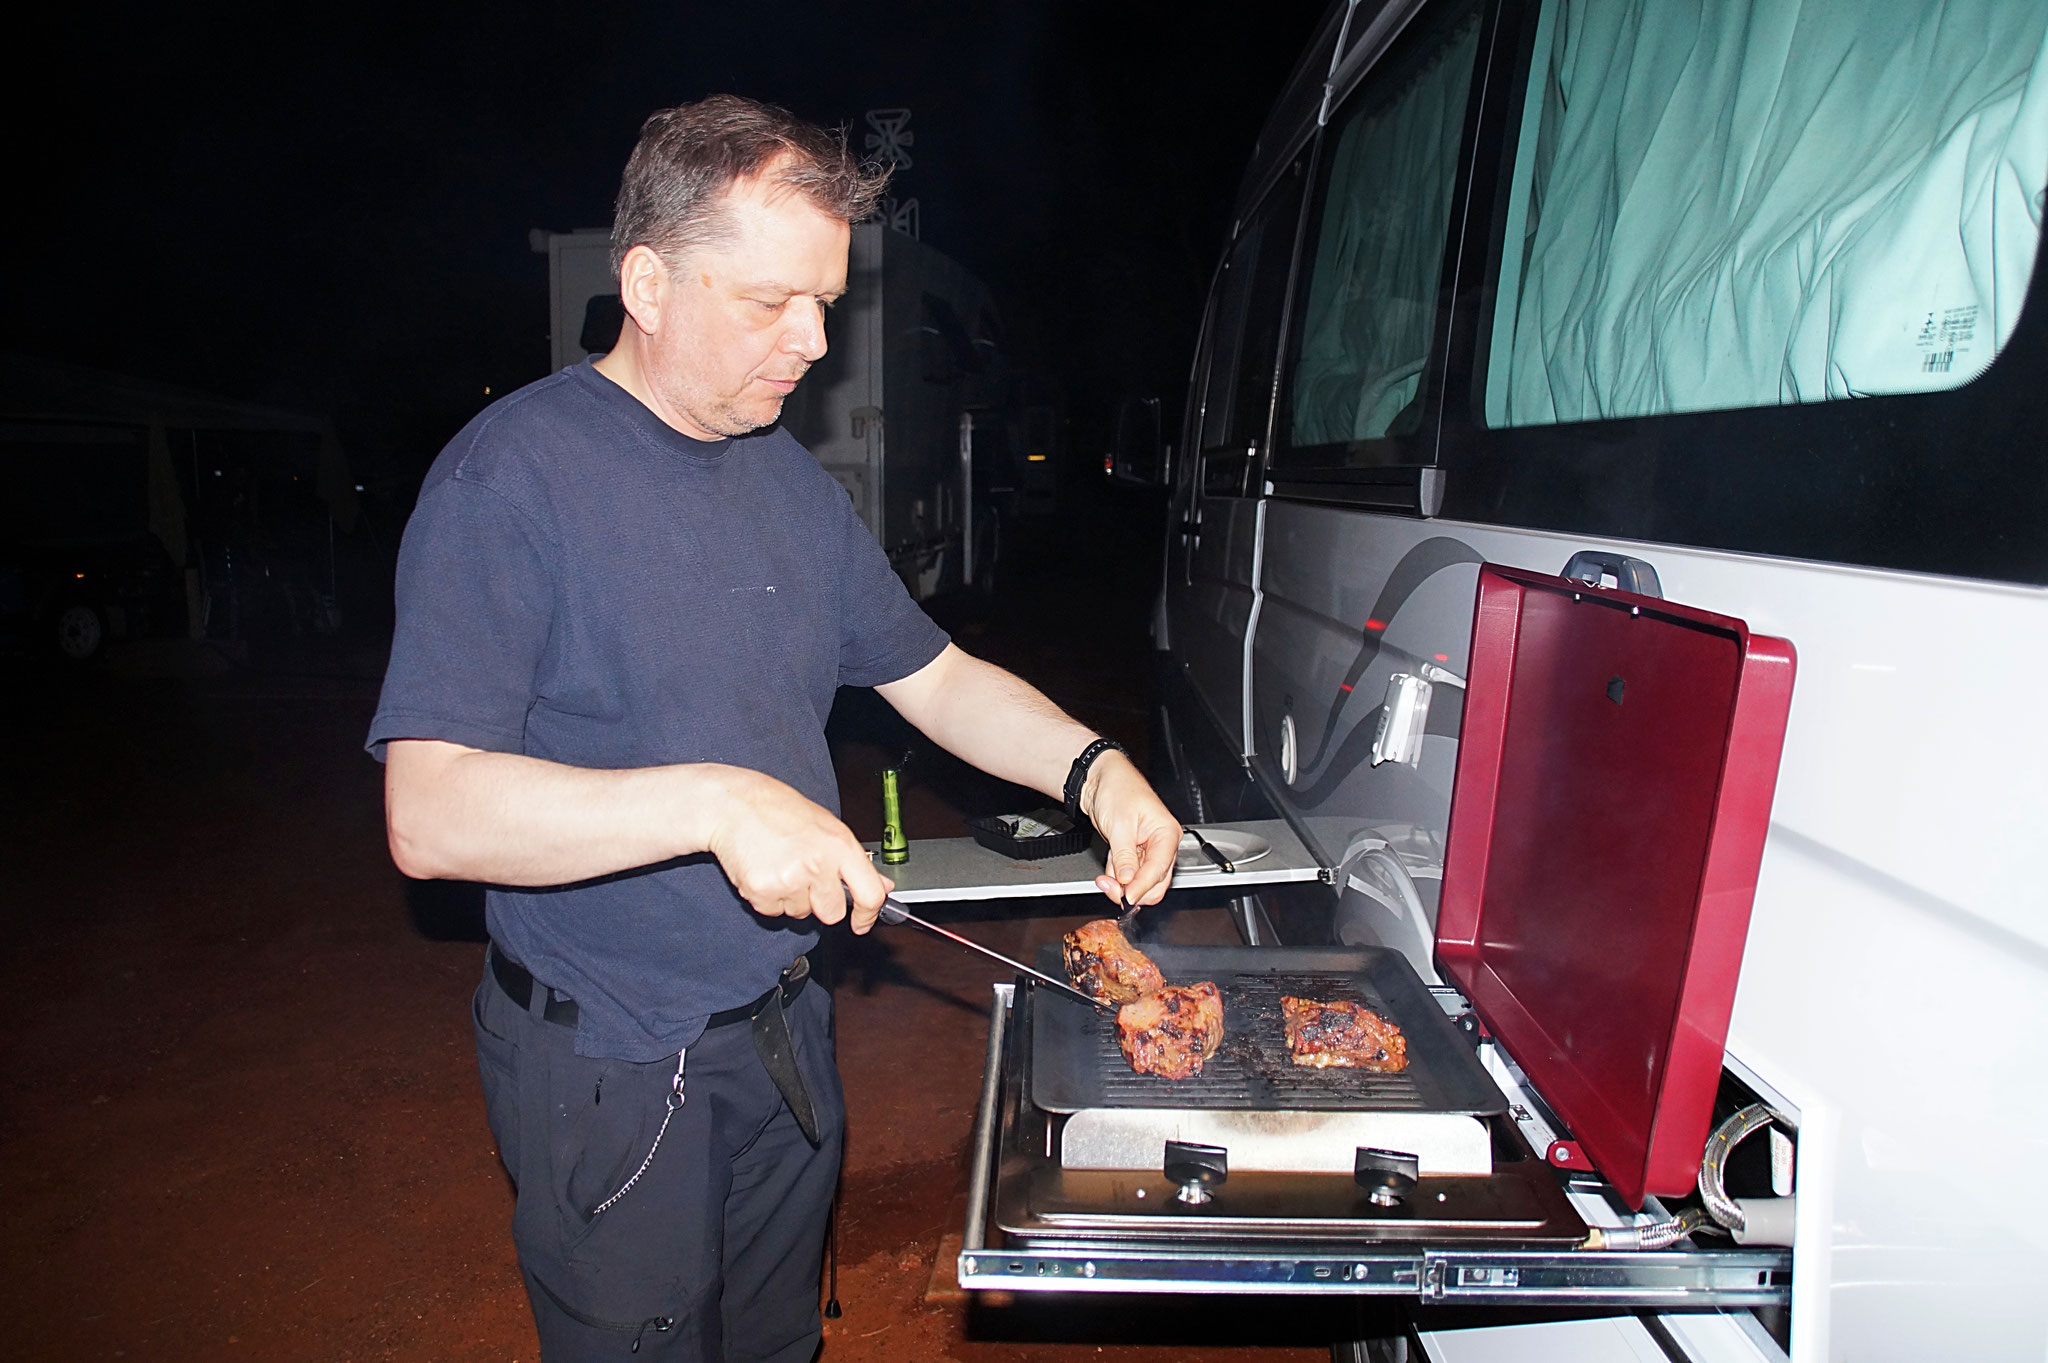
[948, 870]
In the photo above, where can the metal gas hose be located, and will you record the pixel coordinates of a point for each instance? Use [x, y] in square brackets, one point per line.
[1713, 1168]
[1751, 1220]
[1661, 1235]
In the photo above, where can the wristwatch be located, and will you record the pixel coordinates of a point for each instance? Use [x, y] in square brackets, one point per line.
[1077, 775]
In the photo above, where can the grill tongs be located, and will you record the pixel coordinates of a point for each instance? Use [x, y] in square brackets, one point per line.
[893, 912]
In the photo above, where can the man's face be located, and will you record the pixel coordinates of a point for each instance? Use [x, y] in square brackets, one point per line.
[738, 325]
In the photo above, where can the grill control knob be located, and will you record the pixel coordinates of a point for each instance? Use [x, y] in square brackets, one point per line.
[1386, 1175]
[1197, 1169]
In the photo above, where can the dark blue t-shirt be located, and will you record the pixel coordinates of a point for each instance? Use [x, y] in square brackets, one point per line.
[584, 584]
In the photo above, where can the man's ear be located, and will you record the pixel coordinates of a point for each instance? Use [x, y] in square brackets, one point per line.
[643, 287]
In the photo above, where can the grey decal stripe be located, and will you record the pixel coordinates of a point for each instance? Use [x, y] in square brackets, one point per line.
[1356, 747]
[1416, 567]
[1446, 720]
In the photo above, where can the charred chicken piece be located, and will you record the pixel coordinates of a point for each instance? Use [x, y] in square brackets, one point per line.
[1104, 965]
[1341, 1033]
[1172, 1030]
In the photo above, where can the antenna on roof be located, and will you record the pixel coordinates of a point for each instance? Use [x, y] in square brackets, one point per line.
[890, 141]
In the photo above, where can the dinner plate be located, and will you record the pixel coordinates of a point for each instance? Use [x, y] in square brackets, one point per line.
[1237, 848]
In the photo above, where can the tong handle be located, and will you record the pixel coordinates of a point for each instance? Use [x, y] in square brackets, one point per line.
[1209, 850]
[892, 912]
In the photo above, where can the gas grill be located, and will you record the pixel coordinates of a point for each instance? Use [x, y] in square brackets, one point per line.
[1506, 1237]
[1084, 1146]
[1272, 1115]
[1604, 837]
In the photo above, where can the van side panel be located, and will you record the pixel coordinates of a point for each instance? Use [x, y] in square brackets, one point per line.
[1896, 969]
[1212, 607]
[1895, 973]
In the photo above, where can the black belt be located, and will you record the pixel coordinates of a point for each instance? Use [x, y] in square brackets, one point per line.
[518, 983]
[771, 1029]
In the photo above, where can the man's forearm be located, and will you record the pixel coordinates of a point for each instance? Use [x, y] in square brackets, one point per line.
[991, 719]
[982, 714]
[457, 813]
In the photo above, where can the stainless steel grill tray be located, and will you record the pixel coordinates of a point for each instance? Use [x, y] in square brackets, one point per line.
[1076, 1064]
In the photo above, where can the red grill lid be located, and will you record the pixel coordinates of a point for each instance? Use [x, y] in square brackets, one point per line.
[1614, 785]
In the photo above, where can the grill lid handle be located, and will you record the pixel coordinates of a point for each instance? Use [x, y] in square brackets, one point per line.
[1386, 1175]
[1197, 1169]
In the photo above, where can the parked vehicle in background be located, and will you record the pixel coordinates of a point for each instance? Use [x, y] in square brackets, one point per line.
[130, 508]
[1736, 301]
[913, 409]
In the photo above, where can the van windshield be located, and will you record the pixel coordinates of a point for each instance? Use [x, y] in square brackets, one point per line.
[1748, 202]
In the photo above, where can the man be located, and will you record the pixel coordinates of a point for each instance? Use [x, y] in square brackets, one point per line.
[625, 604]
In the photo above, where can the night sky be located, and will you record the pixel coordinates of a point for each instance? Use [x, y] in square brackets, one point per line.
[328, 207]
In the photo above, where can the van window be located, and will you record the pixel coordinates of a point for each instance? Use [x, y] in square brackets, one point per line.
[1246, 350]
[1748, 203]
[1370, 304]
[1226, 320]
[1272, 239]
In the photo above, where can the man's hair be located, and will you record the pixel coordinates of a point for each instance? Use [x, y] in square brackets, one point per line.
[673, 194]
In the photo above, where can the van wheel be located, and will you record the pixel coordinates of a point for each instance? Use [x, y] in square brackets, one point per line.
[81, 631]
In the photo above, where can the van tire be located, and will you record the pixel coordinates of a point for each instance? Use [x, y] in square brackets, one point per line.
[80, 631]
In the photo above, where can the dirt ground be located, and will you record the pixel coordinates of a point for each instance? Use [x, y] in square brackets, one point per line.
[239, 1110]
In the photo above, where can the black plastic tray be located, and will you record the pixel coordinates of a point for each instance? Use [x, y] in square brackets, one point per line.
[990, 833]
[1075, 1062]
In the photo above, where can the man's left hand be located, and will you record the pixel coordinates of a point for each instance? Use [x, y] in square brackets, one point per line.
[1143, 837]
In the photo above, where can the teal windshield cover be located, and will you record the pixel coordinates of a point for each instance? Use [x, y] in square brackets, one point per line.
[1739, 203]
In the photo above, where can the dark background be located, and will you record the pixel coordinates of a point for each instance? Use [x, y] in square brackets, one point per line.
[328, 208]
[239, 1113]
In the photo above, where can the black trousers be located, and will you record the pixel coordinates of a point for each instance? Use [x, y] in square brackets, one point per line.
[712, 1254]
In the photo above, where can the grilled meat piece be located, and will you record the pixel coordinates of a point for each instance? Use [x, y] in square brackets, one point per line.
[1104, 965]
[1172, 1030]
[1340, 1033]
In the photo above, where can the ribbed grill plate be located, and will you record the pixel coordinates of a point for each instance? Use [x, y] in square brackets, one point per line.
[1076, 1063]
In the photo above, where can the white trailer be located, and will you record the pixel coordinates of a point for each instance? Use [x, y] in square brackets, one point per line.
[890, 411]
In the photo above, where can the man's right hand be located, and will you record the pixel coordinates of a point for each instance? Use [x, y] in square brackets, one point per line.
[459, 813]
[788, 856]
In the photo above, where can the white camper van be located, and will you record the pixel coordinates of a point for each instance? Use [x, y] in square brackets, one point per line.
[1715, 319]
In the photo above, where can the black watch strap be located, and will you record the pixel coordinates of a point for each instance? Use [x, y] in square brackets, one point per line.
[1077, 775]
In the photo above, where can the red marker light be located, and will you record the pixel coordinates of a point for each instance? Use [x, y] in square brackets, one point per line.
[1375, 624]
[1443, 657]
[1344, 686]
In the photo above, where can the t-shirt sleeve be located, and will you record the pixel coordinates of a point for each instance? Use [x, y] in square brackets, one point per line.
[475, 607]
[885, 636]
